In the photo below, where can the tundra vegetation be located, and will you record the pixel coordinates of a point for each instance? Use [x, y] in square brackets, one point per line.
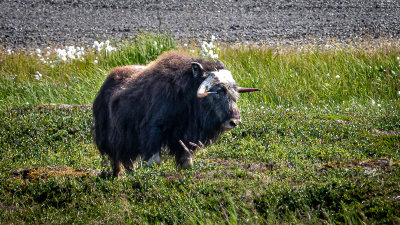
[319, 144]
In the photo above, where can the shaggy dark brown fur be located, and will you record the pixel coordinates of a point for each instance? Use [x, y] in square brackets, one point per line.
[138, 111]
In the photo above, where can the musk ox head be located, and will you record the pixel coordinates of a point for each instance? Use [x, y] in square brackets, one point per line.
[219, 93]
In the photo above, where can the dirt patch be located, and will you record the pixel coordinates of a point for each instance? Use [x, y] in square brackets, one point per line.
[49, 172]
[376, 132]
[64, 106]
[370, 164]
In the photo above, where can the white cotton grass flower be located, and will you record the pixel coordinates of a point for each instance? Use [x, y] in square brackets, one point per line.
[38, 75]
[208, 49]
[212, 38]
[373, 102]
[398, 93]
[9, 51]
[80, 52]
[38, 52]
[96, 60]
[43, 60]
[328, 75]
[109, 48]
[337, 76]
[158, 47]
[70, 53]
[61, 54]
[99, 46]
[379, 105]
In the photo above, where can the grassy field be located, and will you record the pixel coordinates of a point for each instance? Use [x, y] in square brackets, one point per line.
[320, 144]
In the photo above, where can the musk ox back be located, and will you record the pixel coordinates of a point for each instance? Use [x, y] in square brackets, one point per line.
[172, 102]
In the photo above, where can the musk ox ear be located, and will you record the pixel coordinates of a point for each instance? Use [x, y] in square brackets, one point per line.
[197, 69]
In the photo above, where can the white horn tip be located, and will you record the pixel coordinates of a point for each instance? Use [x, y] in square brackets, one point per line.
[202, 95]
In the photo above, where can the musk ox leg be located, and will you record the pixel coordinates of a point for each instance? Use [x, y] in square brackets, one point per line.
[184, 156]
[155, 159]
[152, 143]
[129, 166]
[184, 162]
[116, 165]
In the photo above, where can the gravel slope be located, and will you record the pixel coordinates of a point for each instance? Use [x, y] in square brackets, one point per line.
[32, 23]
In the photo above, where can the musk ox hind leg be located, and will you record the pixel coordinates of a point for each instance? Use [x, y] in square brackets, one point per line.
[116, 166]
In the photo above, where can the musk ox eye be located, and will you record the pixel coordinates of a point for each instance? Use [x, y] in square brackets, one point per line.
[222, 91]
[217, 89]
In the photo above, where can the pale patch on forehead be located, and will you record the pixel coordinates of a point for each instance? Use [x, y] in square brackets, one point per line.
[215, 77]
[224, 76]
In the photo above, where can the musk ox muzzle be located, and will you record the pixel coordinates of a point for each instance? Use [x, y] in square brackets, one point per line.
[175, 102]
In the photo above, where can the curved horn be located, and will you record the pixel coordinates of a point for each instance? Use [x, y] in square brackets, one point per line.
[206, 85]
[242, 89]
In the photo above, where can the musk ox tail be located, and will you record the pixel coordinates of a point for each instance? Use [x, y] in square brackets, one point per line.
[100, 128]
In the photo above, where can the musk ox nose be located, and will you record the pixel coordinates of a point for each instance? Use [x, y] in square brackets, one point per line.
[232, 123]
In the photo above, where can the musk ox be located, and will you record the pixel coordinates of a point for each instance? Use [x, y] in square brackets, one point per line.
[173, 102]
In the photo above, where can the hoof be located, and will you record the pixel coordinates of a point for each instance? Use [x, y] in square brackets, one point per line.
[186, 163]
[155, 159]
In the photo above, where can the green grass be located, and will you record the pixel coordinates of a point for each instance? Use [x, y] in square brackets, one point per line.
[312, 149]
[70, 83]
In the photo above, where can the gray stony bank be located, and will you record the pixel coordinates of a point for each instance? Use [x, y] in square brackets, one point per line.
[32, 23]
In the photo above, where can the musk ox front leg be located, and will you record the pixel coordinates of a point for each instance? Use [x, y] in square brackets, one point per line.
[184, 159]
[155, 159]
[183, 155]
[152, 144]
